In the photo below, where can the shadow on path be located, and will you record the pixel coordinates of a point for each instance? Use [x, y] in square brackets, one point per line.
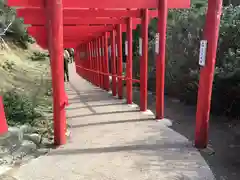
[224, 159]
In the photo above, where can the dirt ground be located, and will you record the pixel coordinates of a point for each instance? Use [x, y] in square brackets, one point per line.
[222, 155]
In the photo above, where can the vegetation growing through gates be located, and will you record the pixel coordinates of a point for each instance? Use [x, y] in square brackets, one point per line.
[185, 28]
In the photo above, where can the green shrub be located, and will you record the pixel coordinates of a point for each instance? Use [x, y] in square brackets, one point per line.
[19, 109]
[39, 56]
[184, 32]
[17, 30]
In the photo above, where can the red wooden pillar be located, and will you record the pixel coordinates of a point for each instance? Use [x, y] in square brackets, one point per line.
[207, 73]
[106, 61]
[55, 27]
[95, 62]
[3, 121]
[144, 62]
[100, 62]
[120, 62]
[80, 60]
[103, 62]
[90, 61]
[84, 61]
[113, 63]
[160, 61]
[97, 57]
[129, 61]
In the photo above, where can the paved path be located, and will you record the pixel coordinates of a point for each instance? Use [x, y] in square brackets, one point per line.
[114, 141]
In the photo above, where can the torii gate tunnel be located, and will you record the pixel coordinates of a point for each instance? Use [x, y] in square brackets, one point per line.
[86, 26]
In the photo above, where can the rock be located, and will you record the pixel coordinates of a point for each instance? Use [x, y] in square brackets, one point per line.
[27, 147]
[3, 150]
[46, 142]
[35, 138]
[26, 129]
[15, 132]
[7, 160]
[25, 159]
[13, 140]
[42, 151]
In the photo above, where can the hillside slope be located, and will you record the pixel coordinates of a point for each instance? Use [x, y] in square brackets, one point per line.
[25, 73]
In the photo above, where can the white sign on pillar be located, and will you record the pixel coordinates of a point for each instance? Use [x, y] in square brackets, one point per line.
[140, 46]
[126, 48]
[157, 43]
[202, 52]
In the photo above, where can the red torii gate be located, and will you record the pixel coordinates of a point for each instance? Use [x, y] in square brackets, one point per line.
[34, 31]
[55, 16]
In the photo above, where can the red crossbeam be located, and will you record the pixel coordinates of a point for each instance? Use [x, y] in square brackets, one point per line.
[35, 16]
[103, 3]
[77, 12]
[74, 31]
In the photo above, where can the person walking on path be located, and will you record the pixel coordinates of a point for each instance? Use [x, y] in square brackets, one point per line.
[66, 59]
[71, 53]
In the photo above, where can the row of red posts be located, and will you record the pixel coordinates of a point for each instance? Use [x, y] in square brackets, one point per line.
[87, 26]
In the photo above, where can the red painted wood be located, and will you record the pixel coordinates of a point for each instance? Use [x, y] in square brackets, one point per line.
[91, 63]
[211, 32]
[56, 54]
[106, 61]
[160, 61]
[74, 12]
[104, 3]
[88, 62]
[129, 62]
[36, 16]
[120, 61]
[113, 62]
[102, 51]
[100, 62]
[97, 62]
[3, 121]
[73, 31]
[144, 62]
[38, 21]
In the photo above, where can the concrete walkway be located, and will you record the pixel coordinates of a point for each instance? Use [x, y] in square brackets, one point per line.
[114, 141]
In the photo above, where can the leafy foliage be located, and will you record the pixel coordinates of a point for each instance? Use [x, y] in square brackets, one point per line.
[19, 109]
[17, 30]
[39, 56]
[184, 32]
